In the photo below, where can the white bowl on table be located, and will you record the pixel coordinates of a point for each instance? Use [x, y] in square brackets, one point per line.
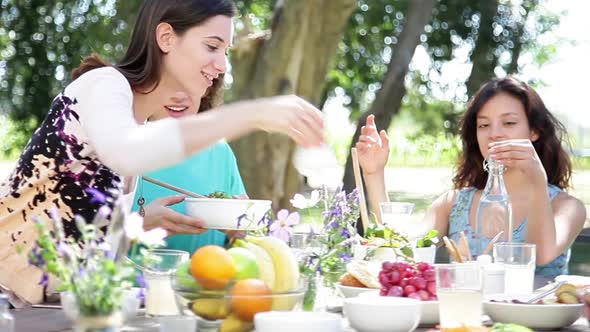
[221, 213]
[382, 313]
[297, 321]
[429, 309]
[534, 316]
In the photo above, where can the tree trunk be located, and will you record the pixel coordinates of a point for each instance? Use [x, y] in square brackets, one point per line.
[293, 58]
[482, 57]
[389, 98]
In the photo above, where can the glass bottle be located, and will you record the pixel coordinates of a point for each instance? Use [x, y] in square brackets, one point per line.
[6, 318]
[494, 212]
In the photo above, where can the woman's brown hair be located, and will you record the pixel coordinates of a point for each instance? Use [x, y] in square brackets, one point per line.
[549, 147]
[142, 61]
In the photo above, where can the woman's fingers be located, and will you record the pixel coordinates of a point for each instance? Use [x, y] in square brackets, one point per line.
[384, 138]
[169, 200]
[512, 155]
[174, 228]
[179, 218]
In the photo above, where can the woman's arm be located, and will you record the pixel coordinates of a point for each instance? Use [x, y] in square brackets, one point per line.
[438, 215]
[373, 152]
[554, 225]
[106, 112]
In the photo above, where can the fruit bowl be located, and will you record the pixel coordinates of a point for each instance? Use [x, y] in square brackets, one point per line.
[232, 307]
[220, 213]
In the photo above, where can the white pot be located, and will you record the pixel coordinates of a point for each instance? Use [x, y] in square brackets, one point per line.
[426, 254]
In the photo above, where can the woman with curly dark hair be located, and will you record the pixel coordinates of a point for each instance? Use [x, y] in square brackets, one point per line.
[507, 121]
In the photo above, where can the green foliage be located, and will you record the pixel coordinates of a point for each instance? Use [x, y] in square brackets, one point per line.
[387, 237]
[425, 150]
[428, 240]
[364, 52]
[40, 43]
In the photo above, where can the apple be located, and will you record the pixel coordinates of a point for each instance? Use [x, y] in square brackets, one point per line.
[185, 278]
[245, 263]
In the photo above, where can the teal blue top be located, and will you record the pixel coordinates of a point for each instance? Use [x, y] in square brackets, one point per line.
[214, 169]
[459, 222]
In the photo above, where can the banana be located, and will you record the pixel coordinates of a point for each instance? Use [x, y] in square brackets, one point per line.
[286, 270]
[264, 261]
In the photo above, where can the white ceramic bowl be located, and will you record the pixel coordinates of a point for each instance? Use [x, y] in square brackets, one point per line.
[534, 316]
[382, 313]
[297, 321]
[219, 213]
[348, 291]
[429, 311]
[430, 316]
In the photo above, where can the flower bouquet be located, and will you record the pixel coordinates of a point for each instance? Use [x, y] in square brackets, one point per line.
[93, 273]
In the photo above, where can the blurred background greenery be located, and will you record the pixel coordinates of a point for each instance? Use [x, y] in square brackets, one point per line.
[413, 64]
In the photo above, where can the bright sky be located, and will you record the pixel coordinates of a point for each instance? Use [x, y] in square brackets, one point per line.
[567, 78]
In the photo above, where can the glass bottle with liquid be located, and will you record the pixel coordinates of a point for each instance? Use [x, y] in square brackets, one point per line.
[6, 318]
[494, 212]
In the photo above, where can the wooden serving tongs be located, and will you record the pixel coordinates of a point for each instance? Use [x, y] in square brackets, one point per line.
[453, 250]
[459, 253]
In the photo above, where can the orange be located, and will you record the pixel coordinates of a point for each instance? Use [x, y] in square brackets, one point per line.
[213, 267]
[249, 297]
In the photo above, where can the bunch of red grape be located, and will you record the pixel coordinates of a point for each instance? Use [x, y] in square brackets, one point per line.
[407, 280]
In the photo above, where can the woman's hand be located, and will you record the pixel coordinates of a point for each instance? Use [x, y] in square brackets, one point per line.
[520, 155]
[157, 214]
[372, 148]
[290, 115]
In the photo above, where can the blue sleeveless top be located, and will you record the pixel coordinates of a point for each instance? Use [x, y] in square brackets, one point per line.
[459, 222]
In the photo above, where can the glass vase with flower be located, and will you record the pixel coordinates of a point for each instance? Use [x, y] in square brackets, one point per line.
[325, 262]
[93, 274]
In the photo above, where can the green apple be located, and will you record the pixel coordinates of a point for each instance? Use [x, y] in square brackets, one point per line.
[245, 263]
[184, 277]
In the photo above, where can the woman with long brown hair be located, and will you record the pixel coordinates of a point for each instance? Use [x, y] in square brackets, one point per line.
[507, 121]
[95, 133]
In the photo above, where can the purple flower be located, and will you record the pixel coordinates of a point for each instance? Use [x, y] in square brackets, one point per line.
[44, 280]
[345, 257]
[282, 227]
[54, 214]
[345, 233]
[140, 280]
[97, 196]
[36, 258]
[333, 224]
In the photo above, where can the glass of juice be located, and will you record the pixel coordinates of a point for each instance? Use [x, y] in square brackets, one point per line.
[459, 291]
[518, 260]
[160, 299]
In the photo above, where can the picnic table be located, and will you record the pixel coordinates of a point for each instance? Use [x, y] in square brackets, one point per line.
[54, 320]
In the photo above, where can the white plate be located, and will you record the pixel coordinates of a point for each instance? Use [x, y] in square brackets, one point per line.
[534, 316]
[219, 213]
